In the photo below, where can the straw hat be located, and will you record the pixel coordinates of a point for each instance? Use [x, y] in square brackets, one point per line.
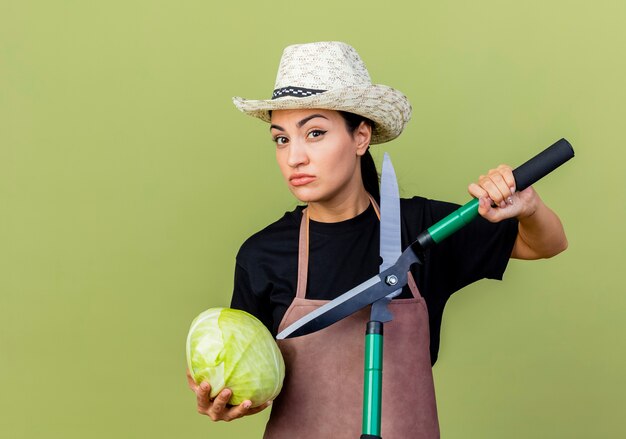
[332, 76]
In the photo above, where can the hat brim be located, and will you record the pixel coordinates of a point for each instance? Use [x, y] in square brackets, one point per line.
[388, 108]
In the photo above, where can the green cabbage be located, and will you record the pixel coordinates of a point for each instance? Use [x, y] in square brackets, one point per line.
[231, 348]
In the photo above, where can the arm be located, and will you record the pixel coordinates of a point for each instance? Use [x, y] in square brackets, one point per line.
[540, 232]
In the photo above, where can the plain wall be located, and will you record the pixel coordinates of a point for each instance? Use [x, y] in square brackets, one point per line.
[128, 181]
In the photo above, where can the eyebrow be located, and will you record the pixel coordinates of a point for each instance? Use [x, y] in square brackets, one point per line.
[299, 124]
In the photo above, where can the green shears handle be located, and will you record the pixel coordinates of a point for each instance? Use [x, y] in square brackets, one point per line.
[373, 380]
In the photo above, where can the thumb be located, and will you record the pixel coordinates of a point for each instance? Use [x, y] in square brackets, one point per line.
[484, 206]
[487, 211]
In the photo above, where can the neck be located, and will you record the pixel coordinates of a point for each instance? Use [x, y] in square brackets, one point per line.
[339, 208]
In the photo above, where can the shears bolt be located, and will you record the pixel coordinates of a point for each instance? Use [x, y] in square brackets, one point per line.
[391, 280]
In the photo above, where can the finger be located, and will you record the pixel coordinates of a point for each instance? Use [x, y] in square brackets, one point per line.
[507, 172]
[498, 179]
[476, 191]
[492, 189]
[203, 397]
[219, 404]
[484, 206]
[487, 211]
[260, 408]
[236, 412]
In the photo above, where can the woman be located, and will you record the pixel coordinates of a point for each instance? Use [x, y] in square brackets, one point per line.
[323, 116]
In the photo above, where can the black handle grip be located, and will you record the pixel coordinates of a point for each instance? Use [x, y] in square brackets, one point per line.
[542, 164]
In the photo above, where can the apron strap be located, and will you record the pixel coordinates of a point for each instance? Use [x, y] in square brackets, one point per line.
[303, 255]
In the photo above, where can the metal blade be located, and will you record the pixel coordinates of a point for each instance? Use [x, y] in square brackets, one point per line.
[390, 240]
[350, 302]
[333, 311]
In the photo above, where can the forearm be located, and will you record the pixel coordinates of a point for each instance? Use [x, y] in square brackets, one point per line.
[540, 232]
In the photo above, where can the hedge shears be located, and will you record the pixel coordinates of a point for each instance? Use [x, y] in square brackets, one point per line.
[393, 276]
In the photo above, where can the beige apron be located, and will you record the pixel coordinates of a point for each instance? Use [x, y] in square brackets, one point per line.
[322, 395]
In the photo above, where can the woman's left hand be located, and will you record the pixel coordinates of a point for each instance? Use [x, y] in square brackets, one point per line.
[497, 188]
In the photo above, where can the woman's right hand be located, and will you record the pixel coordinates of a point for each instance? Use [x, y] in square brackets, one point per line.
[218, 409]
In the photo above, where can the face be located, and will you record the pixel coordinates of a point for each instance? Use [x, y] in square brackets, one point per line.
[318, 157]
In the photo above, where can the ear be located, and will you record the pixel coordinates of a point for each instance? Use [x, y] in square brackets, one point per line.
[362, 136]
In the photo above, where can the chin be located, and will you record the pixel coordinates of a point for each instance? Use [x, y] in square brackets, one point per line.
[304, 198]
[307, 195]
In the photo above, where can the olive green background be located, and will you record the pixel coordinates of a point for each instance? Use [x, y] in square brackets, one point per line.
[128, 181]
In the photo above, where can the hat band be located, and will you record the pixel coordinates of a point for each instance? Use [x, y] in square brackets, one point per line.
[295, 91]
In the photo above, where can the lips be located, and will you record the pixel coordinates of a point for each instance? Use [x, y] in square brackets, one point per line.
[301, 179]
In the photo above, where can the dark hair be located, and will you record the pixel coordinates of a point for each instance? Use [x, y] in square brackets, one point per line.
[369, 174]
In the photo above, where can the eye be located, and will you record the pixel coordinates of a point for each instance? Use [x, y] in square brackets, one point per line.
[315, 133]
[280, 140]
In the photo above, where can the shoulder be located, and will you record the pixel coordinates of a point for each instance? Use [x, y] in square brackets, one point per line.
[277, 236]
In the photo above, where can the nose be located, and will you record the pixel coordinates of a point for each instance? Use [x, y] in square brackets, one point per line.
[297, 154]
